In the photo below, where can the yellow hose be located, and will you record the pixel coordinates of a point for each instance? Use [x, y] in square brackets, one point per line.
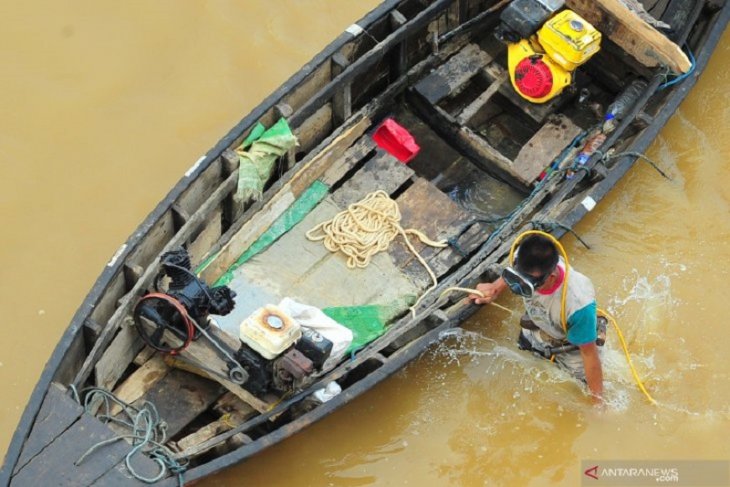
[637, 379]
[563, 320]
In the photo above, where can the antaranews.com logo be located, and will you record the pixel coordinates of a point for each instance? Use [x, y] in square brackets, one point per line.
[663, 472]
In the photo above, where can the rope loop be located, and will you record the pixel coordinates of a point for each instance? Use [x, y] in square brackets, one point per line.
[368, 227]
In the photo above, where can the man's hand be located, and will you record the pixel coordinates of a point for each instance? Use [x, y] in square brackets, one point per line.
[490, 290]
[594, 372]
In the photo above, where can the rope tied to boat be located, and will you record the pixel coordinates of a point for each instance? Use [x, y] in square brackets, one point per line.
[148, 433]
[368, 227]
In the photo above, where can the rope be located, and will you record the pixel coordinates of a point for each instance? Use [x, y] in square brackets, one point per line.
[368, 227]
[640, 156]
[148, 433]
[472, 291]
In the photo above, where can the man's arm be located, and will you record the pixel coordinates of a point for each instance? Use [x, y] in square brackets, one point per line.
[490, 290]
[594, 372]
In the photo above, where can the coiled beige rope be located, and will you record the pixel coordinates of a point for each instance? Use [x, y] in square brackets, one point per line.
[368, 227]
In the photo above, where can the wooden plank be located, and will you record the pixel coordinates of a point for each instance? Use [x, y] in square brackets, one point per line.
[57, 413]
[314, 129]
[473, 108]
[111, 366]
[209, 234]
[141, 381]
[639, 39]
[120, 475]
[382, 172]
[554, 136]
[370, 58]
[425, 208]
[450, 76]
[227, 421]
[55, 465]
[180, 397]
[342, 99]
[352, 156]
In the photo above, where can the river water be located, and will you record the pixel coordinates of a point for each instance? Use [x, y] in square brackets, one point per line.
[105, 105]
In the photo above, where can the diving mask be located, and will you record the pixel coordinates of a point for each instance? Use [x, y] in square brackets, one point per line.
[522, 284]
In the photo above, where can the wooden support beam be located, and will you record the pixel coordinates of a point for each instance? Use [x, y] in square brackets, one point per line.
[473, 108]
[639, 39]
[141, 381]
[400, 61]
[342, 99]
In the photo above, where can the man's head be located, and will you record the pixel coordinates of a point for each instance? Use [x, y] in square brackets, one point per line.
[536, 260]
[536, 256]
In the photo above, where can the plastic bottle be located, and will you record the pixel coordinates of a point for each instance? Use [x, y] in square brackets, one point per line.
[617, 110]
[591, 145]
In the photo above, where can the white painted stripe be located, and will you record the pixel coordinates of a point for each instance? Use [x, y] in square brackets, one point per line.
[195, 166]
[588, 203]
[355, 30]
[116, 255]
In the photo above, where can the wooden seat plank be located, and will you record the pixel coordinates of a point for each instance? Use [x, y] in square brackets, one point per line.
[547, 143]
[427, 209]
[352, 156]
[57, 413]
[451, 75]
[55, 465]
[382, 172]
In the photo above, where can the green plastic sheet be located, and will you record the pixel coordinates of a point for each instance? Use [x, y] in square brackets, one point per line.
[293, 215]
[369, 321]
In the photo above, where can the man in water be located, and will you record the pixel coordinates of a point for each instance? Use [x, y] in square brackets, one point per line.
[538, 276]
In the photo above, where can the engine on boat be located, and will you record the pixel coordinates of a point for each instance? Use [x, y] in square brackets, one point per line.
[275, 353]
[544, 48]
[183, 308]
[279, 354]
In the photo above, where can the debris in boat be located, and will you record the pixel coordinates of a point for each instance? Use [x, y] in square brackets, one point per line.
[396, 140]
[257, 161]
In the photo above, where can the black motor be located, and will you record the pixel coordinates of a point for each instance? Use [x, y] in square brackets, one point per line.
[187, 301]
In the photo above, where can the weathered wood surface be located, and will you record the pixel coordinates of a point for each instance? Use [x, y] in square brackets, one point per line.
[425, 208]
[382, 172]
[352, 156]
[55, 464]
[639, 39]
[57, 413]
[475, 106]
[554, 136]
[120, 353]
[453, 74]
[306, 271]
[141, 381]
[180, 397]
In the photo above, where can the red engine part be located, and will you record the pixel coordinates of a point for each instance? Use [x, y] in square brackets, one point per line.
[533, 77]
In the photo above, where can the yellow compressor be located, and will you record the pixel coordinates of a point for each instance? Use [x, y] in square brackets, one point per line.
[542, 65]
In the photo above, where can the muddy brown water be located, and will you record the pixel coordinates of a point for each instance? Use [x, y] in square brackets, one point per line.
[106, 105]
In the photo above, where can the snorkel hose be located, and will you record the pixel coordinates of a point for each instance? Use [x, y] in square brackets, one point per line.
[563, 320]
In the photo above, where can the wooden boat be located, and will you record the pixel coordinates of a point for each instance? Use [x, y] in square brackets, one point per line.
[491, 164]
